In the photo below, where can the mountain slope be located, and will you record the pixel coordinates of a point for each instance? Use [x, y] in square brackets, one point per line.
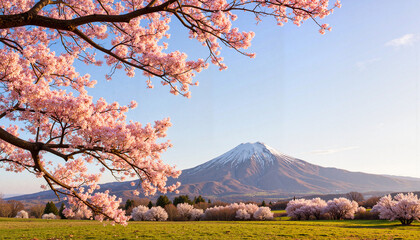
[255, 168]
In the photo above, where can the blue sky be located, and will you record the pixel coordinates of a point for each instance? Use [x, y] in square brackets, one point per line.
[348, 99]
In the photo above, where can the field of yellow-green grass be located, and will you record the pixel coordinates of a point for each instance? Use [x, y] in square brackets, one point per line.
[74, 229]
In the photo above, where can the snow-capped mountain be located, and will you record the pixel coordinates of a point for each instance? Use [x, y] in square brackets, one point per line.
[261, 154]
[256, 171]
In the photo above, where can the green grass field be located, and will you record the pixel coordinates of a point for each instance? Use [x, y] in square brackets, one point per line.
[72, 229]
[279, 211]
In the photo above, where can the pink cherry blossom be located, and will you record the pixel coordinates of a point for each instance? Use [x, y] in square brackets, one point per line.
[45, 100]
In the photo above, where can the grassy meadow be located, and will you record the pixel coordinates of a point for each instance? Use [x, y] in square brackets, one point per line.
[73, 229]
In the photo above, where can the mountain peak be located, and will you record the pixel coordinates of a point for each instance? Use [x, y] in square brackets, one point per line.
[257, 147]
[259, 152]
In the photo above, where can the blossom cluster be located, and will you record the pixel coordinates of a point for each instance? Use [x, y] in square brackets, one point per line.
[45, 98]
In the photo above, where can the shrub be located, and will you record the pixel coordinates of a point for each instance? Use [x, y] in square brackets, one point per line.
[172, 212]
[142, 213]
[188, 212]
[370, 202]
[49, 216]
[234, 211]
[156, 214]
[5, 208]
[404, 207]
[340, 208]
[279, 214]
[263, 213]
[202, 205]
[184, 210]
[196, 214]
[37, 210]
[242, 214]
[355, 196]
[368, 215]
[302, 209]
[360, 210]
[22, 214]
[10, 208]
[220, 213]
[317, 207]
[138, 213]
[218, 203]
[295, 209]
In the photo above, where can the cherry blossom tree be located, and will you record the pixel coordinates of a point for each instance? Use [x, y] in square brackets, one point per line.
[403, 207]
[156, 214]
[22, 214]
[361, 210]
[139, 213]
[340, 208]
[263, 213]
[295, 209]
[242, 214]
[188, 212]
[317, 207]
[239, 211]
[48, 110]
[143, 213]
[49, 216]
[303, 209]
[184, 210]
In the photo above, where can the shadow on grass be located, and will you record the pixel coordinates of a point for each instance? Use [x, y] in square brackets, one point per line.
[362, 224]
[381, 224]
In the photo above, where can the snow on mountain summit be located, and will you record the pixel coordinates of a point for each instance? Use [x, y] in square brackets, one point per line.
[261, 153]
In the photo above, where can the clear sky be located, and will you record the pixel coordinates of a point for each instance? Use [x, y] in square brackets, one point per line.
[348, 99]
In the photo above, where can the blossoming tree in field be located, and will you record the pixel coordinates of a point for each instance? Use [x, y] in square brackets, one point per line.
[304, 209]
[22, 214]
[156, 214]
[188, 212]
[263, 213]
[45, 106]
[139, 213]
[296, 209]
[340, 208]
[240, 211]
[404, 207]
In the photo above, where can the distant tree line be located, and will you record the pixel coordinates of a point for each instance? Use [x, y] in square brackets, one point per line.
[11, 208]
[188, 212]
[182, 207]
[163, 201]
